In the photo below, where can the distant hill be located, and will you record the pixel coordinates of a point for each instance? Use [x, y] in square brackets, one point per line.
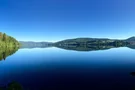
[90, 44]
[31, 44]
[90, 41]
[131, 39]
[80, 42]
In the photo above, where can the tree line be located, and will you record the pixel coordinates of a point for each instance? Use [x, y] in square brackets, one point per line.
[8, 41]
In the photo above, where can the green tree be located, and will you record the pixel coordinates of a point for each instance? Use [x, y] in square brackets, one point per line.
[4, 37]
[8, 41]
[1, 36]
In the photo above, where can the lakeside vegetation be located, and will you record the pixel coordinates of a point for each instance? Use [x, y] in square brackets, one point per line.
[8, 45]
[8, 41]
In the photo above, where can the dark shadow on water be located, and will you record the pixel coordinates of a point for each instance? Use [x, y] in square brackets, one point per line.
[12, 86]
[75, 85]
[132, 73]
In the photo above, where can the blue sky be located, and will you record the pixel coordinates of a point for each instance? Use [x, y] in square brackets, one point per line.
[54, 20]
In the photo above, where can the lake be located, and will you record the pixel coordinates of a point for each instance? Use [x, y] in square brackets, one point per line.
[55, 68]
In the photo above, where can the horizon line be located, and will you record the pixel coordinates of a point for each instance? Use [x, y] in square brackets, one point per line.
[69, 38]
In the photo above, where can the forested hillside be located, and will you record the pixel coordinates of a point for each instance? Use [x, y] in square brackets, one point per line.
[91, 42]
[8, 41]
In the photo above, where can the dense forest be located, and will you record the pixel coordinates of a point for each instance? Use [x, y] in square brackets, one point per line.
[8, 41]
[8, 45]
[92, 42]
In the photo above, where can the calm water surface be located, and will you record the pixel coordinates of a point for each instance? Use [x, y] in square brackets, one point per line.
[54, 68]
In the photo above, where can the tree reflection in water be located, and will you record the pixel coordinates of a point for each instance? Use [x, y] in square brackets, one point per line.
[7, 51]
[86, 47]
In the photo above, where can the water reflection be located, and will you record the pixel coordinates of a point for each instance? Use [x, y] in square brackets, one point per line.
[83, 71]
[7, 51]
[132, 73]
[87, 48]
[131, 46]
[12, 86]
[77, 47]
[31, 47]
